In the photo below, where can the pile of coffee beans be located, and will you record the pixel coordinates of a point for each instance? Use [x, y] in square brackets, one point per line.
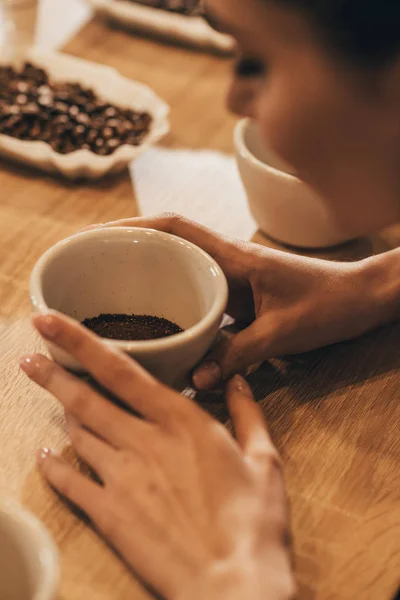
[131, 327]
[190, 8]
[67, 116]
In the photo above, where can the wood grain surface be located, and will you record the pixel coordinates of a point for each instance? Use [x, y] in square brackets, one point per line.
[334, 413]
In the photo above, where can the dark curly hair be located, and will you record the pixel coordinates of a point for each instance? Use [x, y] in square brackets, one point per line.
[365, 31]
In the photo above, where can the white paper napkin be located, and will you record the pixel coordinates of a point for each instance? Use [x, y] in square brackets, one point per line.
[202, 185]
[59, 21]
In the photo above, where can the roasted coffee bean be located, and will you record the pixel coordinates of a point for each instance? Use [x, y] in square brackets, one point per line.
[21, 99]
[65, 115]
[89, 108]
[107, 133]
[56, 145]
[45, 101]
[35, 132]
[83, 119]
[61, 107]
[131, 327]
[80, 130]
[45, 135]
[22, 131]
[30, 109]
[103, 151]
[100, 105]
[11, 122]
[114, 123]
[22, 86]
[113, 143]
[91, 136]
[44, 90]
[110, 112]
[74, 111]
[61, 96]
[60, 119]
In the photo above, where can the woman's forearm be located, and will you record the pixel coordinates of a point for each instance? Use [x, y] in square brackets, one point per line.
[266, 580]
[381, 281]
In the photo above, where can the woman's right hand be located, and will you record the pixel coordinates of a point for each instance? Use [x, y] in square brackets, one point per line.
[196, 513]
[291, 304]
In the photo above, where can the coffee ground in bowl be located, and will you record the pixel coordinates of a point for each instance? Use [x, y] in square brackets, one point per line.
[131, 327]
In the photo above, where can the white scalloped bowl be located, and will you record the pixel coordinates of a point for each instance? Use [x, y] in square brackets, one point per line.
[29, 561]
[126, 270]
[191, 30]
[112, 87]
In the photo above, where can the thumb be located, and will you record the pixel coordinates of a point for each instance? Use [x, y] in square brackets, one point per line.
[233, 355]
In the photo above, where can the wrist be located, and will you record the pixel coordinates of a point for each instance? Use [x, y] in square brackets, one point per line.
[380, 282]
[269, 579]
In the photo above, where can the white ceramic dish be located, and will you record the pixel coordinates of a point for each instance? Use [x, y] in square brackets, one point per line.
[29, 567]
[123, 270]
[191, 30]
[284, 207]
[110, 86]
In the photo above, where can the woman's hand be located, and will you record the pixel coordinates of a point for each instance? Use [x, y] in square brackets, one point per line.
[195, 513]
[291, 304]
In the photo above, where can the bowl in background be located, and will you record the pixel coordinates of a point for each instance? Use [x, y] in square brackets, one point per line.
[125, 270]
[111, 87]
[191, 30]
[29, 568]
[285, 208]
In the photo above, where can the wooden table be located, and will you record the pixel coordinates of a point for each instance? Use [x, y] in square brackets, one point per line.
[334, 414]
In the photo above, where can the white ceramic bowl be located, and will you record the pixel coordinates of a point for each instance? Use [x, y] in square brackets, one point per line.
[111, 87]
[191, 30]
[285, 208]
[29, 568]
[136, 271]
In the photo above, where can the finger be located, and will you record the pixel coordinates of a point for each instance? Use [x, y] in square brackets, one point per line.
[248, 420]
[94, 451]
[78, 489]
[221, 248]
[253, 437]
[70, 421]
[112, 369]
[84, 404]
[234, 355]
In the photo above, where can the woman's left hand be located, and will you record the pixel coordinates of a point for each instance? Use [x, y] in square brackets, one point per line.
[182, 501]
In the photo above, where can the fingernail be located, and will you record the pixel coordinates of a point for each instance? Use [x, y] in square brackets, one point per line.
[44, 453]
[47, 325]
[207, 376]
[71, 422]
[239, 384]
[29, 364]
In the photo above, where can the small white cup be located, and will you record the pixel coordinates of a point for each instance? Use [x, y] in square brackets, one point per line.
[29, 568]
[125, 270]
[284, 207]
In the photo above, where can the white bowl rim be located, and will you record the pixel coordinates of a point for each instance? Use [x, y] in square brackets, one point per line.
[49, 559]
[245, 152]
[146, 346]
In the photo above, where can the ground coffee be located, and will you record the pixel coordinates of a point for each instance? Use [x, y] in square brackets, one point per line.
[131, 327]
[67, 116]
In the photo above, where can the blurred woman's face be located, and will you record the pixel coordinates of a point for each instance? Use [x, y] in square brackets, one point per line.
[337, 125]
